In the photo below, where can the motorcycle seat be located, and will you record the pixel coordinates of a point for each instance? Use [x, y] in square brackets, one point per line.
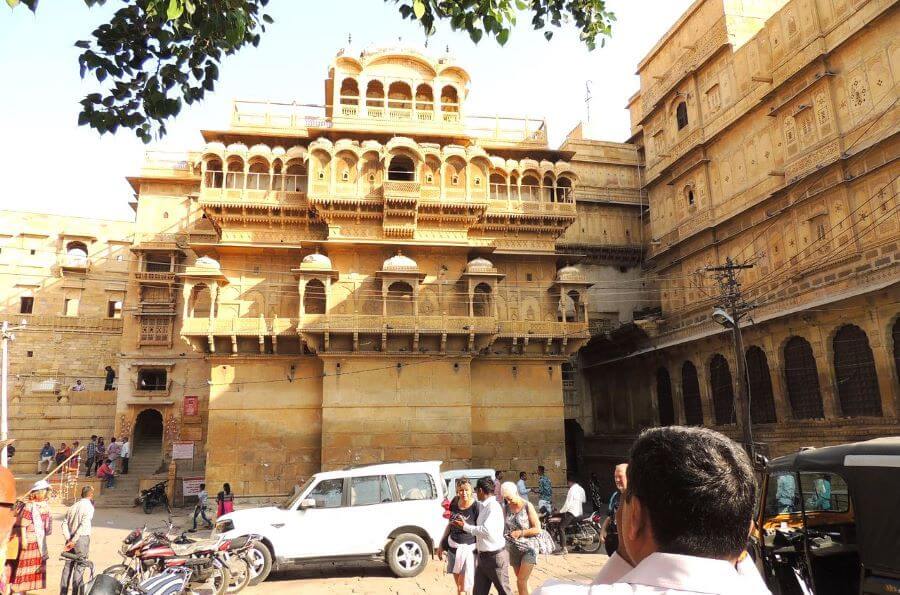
[191, 548]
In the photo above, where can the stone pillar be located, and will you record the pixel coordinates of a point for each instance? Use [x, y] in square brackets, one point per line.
[214, 299]
[884, 362]
[775, 358]
[701, 361]
[186, 290]
[301, 288]
[824, 366]
[327, 294]
[678, 395]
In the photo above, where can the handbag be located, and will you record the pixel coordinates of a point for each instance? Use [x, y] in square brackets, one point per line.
[545, 542]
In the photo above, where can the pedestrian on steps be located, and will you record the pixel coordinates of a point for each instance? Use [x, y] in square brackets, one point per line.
[113, 452]
[90, 453]
[125, 454]
[110, 378]
[101, 452]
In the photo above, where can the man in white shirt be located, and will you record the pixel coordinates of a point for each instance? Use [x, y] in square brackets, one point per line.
[521, 486]
[683, 520]
[125, 454]
[571, 509]
[493, 559]
[76, 528]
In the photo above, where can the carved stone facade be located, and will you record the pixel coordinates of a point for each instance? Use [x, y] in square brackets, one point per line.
[373, 282]
[771, 138]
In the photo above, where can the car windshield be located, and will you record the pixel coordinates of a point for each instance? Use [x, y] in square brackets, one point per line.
[291, 501]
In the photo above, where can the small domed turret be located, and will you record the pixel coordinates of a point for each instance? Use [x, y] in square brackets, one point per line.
[400, 263]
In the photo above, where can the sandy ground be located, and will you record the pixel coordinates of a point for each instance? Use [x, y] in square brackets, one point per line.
[112, 525]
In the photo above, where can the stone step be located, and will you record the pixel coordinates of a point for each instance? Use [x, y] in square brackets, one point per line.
[61, 411]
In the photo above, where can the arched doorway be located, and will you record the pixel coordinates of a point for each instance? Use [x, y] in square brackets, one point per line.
[802, 379]
[690, 392]
[146, 453]
[854, 371]
[759, 387]
[664, 398]
[722, 391]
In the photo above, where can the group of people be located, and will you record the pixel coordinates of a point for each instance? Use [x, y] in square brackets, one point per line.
[108, 383]
[224, 505]
[107, 461]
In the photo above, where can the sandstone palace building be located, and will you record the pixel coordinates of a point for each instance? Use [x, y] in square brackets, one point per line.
[387, 276]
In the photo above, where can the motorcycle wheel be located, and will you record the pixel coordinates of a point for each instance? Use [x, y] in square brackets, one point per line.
[589, 540]
[121, 572]
[239, 572]
[219, 577]
[260, 559]
[148, 506]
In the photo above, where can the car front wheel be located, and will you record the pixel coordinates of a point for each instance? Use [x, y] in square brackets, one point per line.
[259, 558]
[407, 555]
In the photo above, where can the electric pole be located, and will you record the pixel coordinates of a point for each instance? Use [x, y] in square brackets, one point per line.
[735, 309]
[5, 335]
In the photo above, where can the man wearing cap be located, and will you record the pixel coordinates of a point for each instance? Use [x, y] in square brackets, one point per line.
[76, 529]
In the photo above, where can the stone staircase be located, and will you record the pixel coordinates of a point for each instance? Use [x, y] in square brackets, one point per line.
[145, 461]
[36, 418]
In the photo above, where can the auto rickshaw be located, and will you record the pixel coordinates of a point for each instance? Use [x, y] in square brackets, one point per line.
[828, 521]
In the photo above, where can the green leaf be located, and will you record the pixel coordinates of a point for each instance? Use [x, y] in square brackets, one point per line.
[418, 8]
[175, 10]
[12, 3]
[503, 36]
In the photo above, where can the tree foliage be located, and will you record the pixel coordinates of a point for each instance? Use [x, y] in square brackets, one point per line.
[153, 56]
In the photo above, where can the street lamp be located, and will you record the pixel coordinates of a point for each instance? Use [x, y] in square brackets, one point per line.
[7, 335]
[722, 317]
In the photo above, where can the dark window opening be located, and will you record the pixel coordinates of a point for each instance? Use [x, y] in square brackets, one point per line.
[854, 368]
[114, 309]
[157, 264]
[690, 389]
[802, 379]
[722, 390]
[26, 305]
[664, 398]
[402, 169]
[681, 115]
[759, 387]
[152, 379]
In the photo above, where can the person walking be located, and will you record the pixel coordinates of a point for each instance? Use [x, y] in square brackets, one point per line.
[498, 481]
[7, 521]
[90, 454]
[545, 491]
[224, 501]
[110, 378]
[571, 510]
[107, 473]
[522, 530]
[45, 459]
[35, 523]
[101, 452]
[200, 509]
[492, 566]
[76, 528]
[522, 486]
[113, 451]
[609, 531]
[125, 454]
[456, 543]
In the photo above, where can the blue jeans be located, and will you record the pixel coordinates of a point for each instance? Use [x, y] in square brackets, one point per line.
[201, 512]
[110, 481]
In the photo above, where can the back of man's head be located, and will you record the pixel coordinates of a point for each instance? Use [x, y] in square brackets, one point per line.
[697, 488]
[87, 492]
[486, 485]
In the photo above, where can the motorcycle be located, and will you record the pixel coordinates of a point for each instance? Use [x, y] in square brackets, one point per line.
[582, 535]
[149, 553]
[153, 497]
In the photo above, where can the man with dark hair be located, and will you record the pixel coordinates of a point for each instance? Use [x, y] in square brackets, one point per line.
[492, 567]
[683, 520]
[571, 510]
[76, 528]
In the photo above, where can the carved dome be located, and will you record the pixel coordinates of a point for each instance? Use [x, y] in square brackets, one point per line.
[400, 263]
[569, 273]
[206, 262]
[480, 265]
[316, 261]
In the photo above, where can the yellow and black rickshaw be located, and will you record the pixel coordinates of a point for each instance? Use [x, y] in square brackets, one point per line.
[829, 521]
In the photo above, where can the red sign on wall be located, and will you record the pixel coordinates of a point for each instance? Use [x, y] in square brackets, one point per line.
[191, 406]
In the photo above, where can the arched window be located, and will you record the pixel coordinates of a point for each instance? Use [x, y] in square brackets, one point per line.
[563, 190]
[530, 190]
[498, 188]
[690, 390]
[759, 387]
[401, 168]
[258, 178]
[664, 398]
[681, 115]
[214, 175]
[722, 390]
[455, 176]
[481, 300]
[234, 179]
[400, 299]
[854, 370]
[201, 300]
[399, 100]
[548, 189]
[295, 177]
[375, 99]
[314, 297]
[802, 379]
[450, 104]
[424, 101]
[349, 92]
[76, 253]
[689, 195]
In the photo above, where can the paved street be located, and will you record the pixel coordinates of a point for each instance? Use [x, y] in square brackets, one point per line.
[112, 525]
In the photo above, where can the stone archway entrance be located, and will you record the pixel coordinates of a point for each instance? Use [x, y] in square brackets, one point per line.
[147, 442]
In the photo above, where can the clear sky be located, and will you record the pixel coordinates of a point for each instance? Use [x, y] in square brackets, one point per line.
[50, 164]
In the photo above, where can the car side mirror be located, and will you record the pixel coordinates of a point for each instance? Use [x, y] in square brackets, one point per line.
[307, 503]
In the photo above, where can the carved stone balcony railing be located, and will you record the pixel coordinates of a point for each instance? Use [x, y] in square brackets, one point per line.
[544, 329]
[155, 277]
[84, 323]
[527, 208]
[339, 323]
[163, 390]
[69, 264]
[253, 198]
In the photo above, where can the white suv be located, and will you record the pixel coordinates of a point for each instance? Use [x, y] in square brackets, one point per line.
[389, 512]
